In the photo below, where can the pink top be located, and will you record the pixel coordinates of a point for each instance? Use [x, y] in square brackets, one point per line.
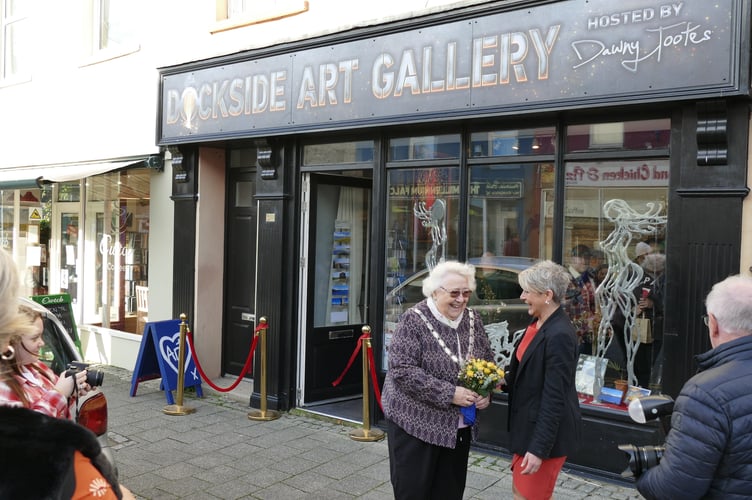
[39, 390]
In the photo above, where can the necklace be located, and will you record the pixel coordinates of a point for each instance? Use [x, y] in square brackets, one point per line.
[442, 344]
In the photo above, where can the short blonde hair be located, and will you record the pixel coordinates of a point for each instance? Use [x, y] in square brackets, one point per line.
[439, 273]
[546, 275]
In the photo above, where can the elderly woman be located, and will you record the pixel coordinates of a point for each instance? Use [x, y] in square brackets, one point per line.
[429, 441]
[544, 412]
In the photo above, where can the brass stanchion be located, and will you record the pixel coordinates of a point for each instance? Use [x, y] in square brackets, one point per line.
[366, 433]
[179, 409]
[263, 414]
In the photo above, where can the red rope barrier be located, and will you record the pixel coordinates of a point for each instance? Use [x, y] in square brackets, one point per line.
[375, 380]
[246, 366]
[354, 355]
[352, 359]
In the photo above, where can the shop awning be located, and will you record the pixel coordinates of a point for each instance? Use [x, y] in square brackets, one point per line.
[27, 177]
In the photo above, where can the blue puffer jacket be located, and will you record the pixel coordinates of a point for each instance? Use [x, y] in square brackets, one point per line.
[709, 448]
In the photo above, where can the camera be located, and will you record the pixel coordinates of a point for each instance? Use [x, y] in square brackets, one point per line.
[94, 377]
[641, 458]
[641, 410]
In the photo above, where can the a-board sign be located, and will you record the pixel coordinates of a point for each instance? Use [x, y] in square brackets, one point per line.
[158, 356]
[60, 305]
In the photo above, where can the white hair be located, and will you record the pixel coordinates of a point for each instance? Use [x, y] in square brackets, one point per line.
[730, 301]
[438, 274]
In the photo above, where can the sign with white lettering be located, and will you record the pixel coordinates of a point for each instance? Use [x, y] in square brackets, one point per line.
[560, 54]
[60, 305]
[158, 356]
[617, 174]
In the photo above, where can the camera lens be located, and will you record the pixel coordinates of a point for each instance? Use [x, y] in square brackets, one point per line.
[641, 458]
[94, 377]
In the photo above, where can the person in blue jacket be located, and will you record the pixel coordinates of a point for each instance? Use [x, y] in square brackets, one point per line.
[709, 447]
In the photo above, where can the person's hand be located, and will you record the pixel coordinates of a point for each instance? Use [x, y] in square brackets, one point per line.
[127, 494]
[65, 384]
[464, 396]
[483, 402]
[530, 463]
[83, 387]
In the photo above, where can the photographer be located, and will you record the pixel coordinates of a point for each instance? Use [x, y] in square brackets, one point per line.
[708, 452]
[27, 382]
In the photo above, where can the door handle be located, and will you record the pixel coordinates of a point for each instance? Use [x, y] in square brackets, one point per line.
[248, 317]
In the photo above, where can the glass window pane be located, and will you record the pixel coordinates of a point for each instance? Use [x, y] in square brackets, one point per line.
[422, 222]
[117, 235]
[539, 141]
[338, 152]
[631, 136]
[116, 26]
[615, 233]
[429, 147]
[505, 230]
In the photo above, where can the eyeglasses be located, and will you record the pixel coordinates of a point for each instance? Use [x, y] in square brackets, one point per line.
[705, 319]
[456, 293]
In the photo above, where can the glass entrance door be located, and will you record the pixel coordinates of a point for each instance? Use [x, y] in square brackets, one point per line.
[339, 250]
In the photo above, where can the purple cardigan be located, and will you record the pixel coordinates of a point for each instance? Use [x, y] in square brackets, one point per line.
[420, 383]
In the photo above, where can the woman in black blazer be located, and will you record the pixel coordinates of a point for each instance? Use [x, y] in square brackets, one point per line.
[544, 412]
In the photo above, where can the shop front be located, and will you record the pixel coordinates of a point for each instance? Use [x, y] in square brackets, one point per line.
[587, 135]
[82, 232]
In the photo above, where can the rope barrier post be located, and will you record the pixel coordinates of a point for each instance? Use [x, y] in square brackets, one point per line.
[178, 408]
[366, 433]
[263, 414]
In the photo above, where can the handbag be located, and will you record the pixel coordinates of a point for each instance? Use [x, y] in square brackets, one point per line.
[643, 329]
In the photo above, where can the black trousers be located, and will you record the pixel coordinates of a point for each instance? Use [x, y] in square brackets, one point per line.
[422, 471]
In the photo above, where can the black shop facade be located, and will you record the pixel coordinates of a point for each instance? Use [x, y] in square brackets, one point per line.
[314, 183]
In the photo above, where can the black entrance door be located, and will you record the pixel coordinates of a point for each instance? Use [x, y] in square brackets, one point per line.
[339, 251]
[240, 270]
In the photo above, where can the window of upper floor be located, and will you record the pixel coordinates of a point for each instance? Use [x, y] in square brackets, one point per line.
[15, 41]
[238, 13]
[110, 30]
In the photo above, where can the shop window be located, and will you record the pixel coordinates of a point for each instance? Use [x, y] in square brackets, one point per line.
[630, 136]
[25, 234]
[338, 153]
[116, 247]
[615, 215]
[538, 141]
[428, 147]
[422, 224]
[15, 40]
[505, 203]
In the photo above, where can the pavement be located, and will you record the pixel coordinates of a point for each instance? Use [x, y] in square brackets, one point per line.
[217, 452]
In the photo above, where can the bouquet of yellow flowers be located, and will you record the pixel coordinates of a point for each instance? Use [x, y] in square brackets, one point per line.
[480, 376]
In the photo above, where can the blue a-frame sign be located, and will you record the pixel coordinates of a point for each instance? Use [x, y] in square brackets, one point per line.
[158, 357]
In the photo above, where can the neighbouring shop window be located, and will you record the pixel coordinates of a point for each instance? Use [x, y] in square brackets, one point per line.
[615, 215]
[25, 234]
[422, 224]
[116, 247]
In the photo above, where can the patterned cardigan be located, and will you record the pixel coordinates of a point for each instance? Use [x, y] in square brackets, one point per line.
[420, 384]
